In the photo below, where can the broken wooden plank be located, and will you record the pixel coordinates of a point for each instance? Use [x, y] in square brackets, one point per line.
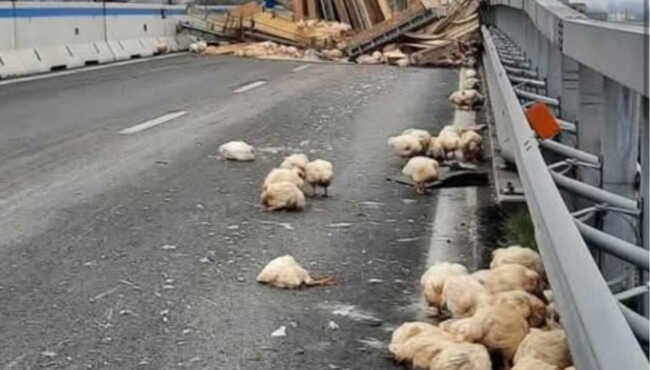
[342, 11]
[421, 36]
[363, 13]
[385, 8]
[449, 54]
[299, 9]
[375, 14]
[312, 9]
[354, 21]
[390, 30]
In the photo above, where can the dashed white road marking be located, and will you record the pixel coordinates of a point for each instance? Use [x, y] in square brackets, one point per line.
[250, 86]
[152, 122]
[301, 67]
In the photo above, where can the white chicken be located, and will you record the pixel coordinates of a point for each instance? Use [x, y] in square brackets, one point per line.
[319, 173]
[514, 277]
[162, 47]
[470, 83]
[481, 276]
[433, 281]
[411, 337]
[296, 161]
[406, 146]
[423, 135]
[551, 347]
[499, 327]
[408, 330]
[435, 149]
[237, 151]
[449, 139]
[529, 306]
[198, 47]
[461, 356]
[291, 175]
[518, 255]
[463, 295]
[426, 346]
[285, 272]
[470, 145]
[421, 170]
[282, 195]
[466, 99]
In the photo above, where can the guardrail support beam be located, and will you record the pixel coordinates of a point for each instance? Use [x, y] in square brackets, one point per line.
[619, 143]
[591, 118]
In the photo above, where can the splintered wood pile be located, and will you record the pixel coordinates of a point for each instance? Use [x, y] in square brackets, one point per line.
[359, 14]
[331, 29]
[451, 41]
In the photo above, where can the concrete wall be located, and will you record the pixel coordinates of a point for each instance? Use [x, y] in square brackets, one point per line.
[42, 36]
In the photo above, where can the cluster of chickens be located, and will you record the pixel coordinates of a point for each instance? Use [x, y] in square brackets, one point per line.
[468, 97]
[283, 187]
[503, 311]
[423, 151]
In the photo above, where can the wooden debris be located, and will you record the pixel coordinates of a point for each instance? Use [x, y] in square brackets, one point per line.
[417, 34]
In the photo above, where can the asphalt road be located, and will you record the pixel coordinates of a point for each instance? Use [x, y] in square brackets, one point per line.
[140, 251]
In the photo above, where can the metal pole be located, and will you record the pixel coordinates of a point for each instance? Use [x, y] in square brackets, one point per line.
[596, 194]
[618, 247]
[638, 323]
[570, 152]
[537, 97]
[620, 143]
[566, 125]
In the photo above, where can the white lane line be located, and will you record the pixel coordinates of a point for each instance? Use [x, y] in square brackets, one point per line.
[250, 86]
[300, 68]
[152, 122]
[88, 69]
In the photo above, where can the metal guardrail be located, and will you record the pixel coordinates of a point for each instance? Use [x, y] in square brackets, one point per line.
[576, 36]
[597, 330]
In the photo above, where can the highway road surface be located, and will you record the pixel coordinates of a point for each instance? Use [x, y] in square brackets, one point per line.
[126, 243]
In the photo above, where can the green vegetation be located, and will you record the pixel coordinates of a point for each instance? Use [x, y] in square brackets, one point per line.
[519, 229]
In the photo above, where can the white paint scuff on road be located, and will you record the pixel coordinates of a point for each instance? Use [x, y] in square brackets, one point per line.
[152, 122]
[250, 86]
[353, 313]
[301, 67]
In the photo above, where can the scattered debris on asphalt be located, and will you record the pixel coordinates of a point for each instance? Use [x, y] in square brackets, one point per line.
[333, 326]
[368, 32]
[280, 332]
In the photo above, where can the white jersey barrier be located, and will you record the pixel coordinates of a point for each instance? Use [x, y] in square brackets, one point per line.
[37, 37]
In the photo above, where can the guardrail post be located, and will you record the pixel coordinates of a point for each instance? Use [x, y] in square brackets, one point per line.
[591, 118]
[619, 147]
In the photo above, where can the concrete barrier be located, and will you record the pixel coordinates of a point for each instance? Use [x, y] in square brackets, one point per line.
[38, 37]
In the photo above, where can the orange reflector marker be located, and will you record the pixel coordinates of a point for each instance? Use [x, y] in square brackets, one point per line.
[542, 121]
